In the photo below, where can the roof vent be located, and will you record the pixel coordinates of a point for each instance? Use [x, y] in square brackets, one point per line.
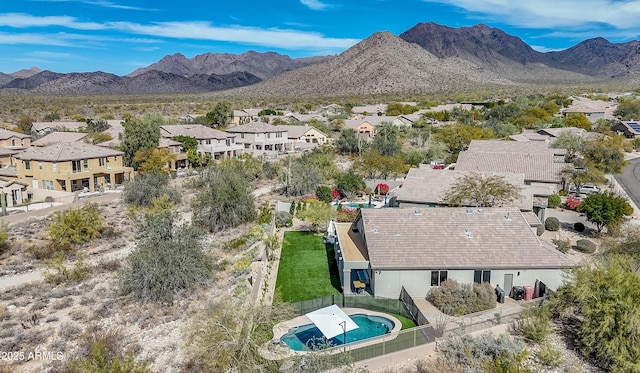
[375, 230]
[418, 212]
[469, 211]
[508, 216]
[468, 233]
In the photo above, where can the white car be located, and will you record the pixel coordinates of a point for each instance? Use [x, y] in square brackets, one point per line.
[586, 189]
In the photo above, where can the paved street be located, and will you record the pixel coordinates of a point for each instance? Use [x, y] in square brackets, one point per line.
[629, 180]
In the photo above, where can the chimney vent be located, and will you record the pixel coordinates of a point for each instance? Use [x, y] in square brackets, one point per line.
[468, 233]
[508, 216]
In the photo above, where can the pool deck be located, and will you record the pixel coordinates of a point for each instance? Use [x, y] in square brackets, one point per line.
[275, 350]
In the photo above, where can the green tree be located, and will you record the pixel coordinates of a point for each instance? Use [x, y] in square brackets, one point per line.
[387, 139]
[588, 174]
[501, 129]
[220, 116]
[628, 246]
[459, 136]
[154, 160]
[348, 142]
[606, 153]
[482, 191]
[187, 142]
[4, 236]
[604, 297]
[225, 202]
[139, 135]
[578, 120]
[375, 165]
[349, 183]
[72, 227]
[323, 193]
[24, 124]
[571, 142]
[317, 214]
[628, 110]
[142, 190]
[303, 176]
[167, 260]
[604, 209]
[97, 125]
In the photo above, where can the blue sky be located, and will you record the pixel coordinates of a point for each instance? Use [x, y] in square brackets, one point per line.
[118, 36]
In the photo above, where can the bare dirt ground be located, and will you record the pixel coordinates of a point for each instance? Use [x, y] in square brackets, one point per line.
[42, 317]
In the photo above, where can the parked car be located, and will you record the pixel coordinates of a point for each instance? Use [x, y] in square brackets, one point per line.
[586, 189]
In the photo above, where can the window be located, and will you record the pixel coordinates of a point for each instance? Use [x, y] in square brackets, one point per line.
[115, 157]
[27, 165]
[481, 276]
[242, 135]
[101, 162]
[75, 166]
[247, 146]
[268, 135]
[47, 184]
[278, 134]
[39, 165]
[438, 277]
[86, 163]
[13, 142]
[54, 166]
[208, 142]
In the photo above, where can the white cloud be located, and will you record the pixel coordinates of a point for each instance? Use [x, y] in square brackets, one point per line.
[101, 3]
[21, 20]
[272, 37]
[543, 49]
[314, 4]
[547, 14]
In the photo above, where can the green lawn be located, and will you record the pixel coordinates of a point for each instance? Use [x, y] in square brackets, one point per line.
[407, 323]
[303, 272]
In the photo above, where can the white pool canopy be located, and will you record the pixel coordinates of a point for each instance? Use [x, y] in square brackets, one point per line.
[332, 321]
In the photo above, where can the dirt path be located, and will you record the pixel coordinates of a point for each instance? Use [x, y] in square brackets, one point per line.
[21, 279]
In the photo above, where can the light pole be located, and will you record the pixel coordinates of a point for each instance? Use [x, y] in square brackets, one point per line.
[344, 334]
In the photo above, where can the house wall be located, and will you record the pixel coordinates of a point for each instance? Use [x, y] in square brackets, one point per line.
[388, 283]
[271, 143]
[62, 176]
[366, 128]
[555, 187]
[16, 141]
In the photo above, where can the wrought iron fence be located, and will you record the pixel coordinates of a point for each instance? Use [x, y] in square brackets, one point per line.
[387, 305]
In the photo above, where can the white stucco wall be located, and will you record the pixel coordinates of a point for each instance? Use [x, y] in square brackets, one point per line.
[387, 283]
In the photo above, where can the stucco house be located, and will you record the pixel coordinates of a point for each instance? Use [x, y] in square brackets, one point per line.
[592, 109]
[365, 129]
[370, 109]
[13, 192]
[259, 138]
[14, 140]
[426, 187]
[541, 165]
[218, 144]
[72, 167]
[57, 137]
[245, 116]
[419, 248]
[630, 129]
[305, 137]
[331, 109]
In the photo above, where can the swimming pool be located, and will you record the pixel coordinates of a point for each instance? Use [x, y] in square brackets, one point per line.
[355, 205]
[304, 336]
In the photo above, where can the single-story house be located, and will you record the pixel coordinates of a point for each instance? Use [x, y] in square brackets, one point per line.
[555, 132]
[13, 191]
[426, 187]
[305, 137]
[419, 248]
[630, 129]
[592, 109]
[370, 109]
[331, 109]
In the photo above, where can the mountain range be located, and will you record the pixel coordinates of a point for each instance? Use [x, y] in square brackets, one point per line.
[426, 58]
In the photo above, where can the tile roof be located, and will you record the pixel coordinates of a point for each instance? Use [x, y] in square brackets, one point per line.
[9, 172]
[586, 105]
[295, 132]
[379, 108]
[428, 186]
[56, 137]
[165, 143]
[450, 238]
[529, 136]
[40, 126]
[541, 167]
[255, 127]
[197, 131]
[66, 151]
[6, 151]
[116, 131]
[499, 146]
[6, 134]
[555, 132]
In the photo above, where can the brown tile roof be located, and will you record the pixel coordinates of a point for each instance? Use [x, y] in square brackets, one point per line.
[5, 151]
[39, 126]
[295, 132]
[9, 172]
[539, 167]
[66, 151]
[197, 131]
[428, 186]
[165, 143]
[555, 132]
[499, 146]
[56, 137]
[255, 127]
[451, 238]
[6, 134]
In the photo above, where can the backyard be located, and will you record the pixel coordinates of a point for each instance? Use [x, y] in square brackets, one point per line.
[304, 271]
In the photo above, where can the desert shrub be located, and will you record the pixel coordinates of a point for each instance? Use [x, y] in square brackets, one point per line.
[57, 272]
[554, 201]
[145, 188]
[69, 331]
[167, 259]
[487, 353]
[4, 237]
[346, 215]
[283, 219]
[562, 193]
[549, 355]
[457, 299]
[540, 230]
[265, 215]
[552, 224]
[75, 226]
[533, 324]
[323, 193]
[40, 252]
[562, 245]
[586, 246]
[579, 227]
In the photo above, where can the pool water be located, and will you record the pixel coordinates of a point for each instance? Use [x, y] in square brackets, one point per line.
[306, 336]
[356, 205]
